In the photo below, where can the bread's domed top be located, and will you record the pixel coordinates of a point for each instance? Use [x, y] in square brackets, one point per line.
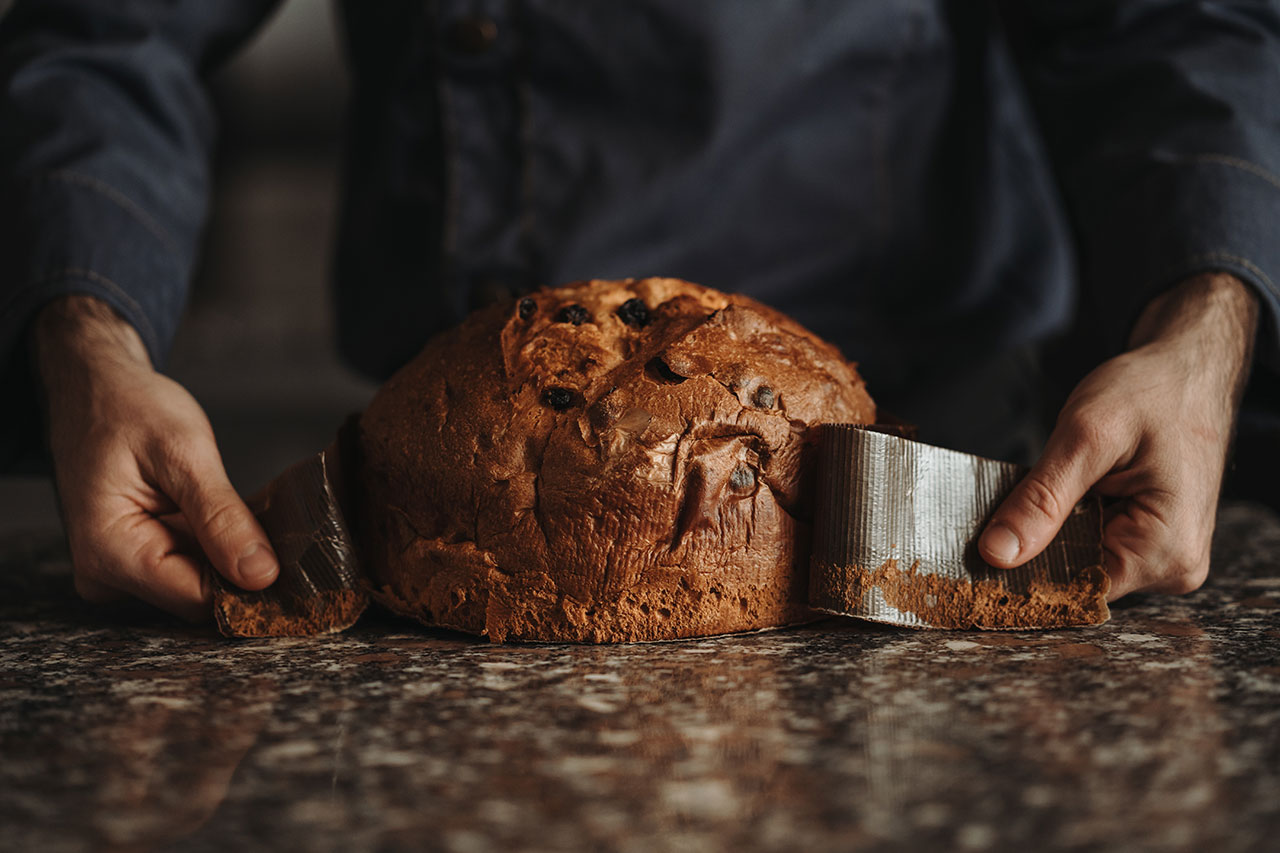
[609, 460]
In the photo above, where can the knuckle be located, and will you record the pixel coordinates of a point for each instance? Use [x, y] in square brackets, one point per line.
[1187, 577]
[1091, 428]
[1120, 569]
[1040, 498]
[185, 465]
[179, 439]
[206, 588]
[222, 520]
[1190, 562]
[1189, 568]
[148, 559]
[179, 452]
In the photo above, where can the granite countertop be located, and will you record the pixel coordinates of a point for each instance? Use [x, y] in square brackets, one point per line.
[1160, 729]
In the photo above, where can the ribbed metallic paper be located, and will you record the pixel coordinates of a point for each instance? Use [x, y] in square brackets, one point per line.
[321, 586]
[895, 541]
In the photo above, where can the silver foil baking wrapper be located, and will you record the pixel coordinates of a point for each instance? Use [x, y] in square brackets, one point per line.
[895, 541]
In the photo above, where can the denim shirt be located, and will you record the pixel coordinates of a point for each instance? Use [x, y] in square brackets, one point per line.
[928, 184]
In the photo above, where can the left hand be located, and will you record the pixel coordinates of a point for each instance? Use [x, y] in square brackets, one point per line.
[1150, 428]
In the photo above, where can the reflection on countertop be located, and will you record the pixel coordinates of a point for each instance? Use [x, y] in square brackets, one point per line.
[1160, 730]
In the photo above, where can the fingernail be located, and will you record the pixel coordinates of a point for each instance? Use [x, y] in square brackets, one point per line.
[257, 565]
[1001, 544]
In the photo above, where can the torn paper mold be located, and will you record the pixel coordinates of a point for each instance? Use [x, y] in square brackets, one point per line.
[321, 588]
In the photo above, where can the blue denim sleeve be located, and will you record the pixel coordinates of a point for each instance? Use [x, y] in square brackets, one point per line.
[1162, 118]
[105, 137]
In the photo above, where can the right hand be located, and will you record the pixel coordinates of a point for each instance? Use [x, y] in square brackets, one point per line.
[137, 469]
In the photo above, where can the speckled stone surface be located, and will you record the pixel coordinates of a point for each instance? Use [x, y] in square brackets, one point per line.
[1159, 730]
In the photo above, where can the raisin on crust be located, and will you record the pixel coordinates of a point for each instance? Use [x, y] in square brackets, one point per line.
[617, 461]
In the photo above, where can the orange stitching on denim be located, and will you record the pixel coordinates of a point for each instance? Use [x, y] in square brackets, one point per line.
[143, 218]
[147, 331]
[1234, 162]
[1235, 259]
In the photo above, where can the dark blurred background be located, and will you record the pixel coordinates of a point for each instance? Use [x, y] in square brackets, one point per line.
[256, 347]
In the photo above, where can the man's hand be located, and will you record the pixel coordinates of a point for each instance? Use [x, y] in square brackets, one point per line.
[137, 469]
[1152, 428]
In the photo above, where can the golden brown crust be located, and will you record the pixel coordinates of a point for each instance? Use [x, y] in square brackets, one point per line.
[531, 478]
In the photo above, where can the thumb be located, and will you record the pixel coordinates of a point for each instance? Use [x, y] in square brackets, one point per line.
[1035, 510]
[228, 533]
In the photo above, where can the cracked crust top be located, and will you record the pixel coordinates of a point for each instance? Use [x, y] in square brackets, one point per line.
[606, 461]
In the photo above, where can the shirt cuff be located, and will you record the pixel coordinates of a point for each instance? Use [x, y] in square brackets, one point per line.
[67, 234]
[1184, 216]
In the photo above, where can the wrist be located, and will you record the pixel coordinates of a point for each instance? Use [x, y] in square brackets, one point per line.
[80, 347]
[1208, 304]
[83, 335]
[1209, 321]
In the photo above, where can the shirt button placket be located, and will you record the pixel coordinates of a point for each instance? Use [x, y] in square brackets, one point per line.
[481, 122]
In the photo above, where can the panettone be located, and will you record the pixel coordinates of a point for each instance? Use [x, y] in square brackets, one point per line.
[606, 461]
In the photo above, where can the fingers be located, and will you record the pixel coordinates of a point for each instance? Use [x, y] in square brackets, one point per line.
[120, 548]
[173, 582]
[227, 532]
[1148, 547]
[1080, 451]
[140, 557]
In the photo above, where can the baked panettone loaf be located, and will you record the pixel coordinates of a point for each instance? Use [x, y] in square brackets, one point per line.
[606, 461]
